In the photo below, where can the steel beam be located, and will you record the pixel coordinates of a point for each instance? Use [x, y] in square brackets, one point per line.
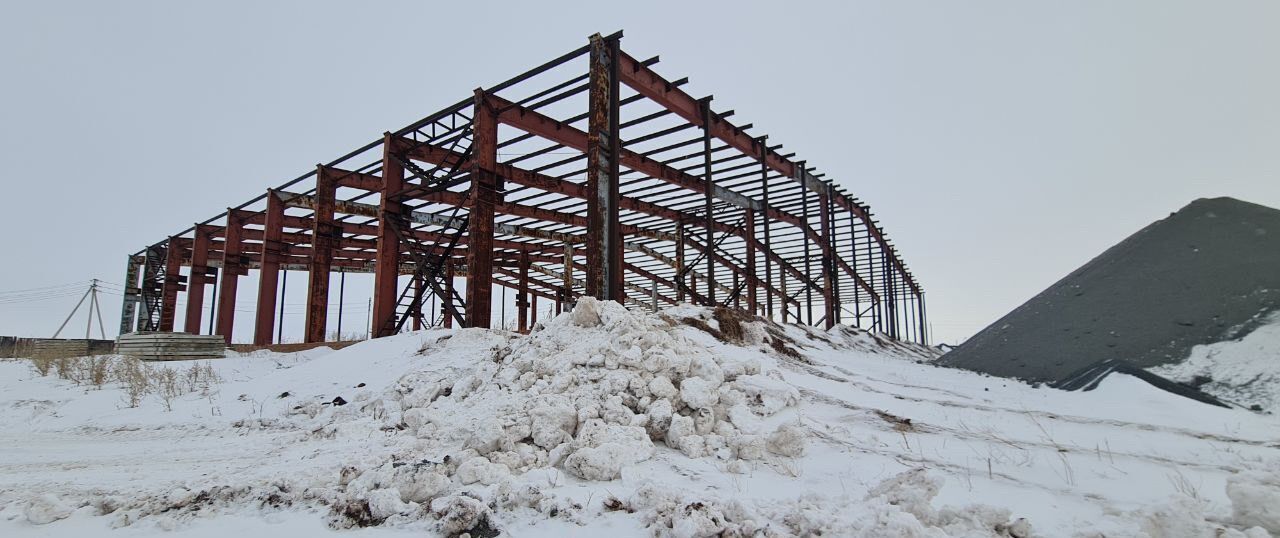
[273, 247]
[522, 295]
[386, 276]
[200, 275]
[604, 237]
[752, 280]
[485, 187]
[173, 283]
[324, 238]
[233, 266]
[828, 274]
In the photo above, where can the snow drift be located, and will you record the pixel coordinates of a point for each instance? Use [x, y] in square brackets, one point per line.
[689, 422]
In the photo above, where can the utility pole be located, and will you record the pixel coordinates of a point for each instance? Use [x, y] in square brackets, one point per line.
[92, 295]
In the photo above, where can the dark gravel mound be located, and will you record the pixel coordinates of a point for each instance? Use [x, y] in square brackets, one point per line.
[1207, 273]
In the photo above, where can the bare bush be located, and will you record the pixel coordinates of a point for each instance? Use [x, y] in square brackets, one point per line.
[67, 369]
[95, 370]
[168, 385]
[201, 377]
[132, 375]
[42, 365]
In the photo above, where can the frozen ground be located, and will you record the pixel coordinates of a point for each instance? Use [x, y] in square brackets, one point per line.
[608, 421]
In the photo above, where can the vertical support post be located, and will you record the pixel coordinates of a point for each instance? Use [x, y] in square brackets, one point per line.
[172, 284]
[782, 280]
[132, 293]
[752, 282]
[233, 266]
[853, 262]
[808, 268]
[737, 303]
[679, 280]
[484, 190]
[890, 302]
[198, 278]
[324, 238]
[924, 325]
[284, 294]
[386, 268]
[522, 295]
[269, 274]
[604, 235]
[828, 262]
[213, 304]
[533, 316]
[707, 199]
[417, 303]
[566, 298]
[448, 292]
[764, 212]
[342, 296]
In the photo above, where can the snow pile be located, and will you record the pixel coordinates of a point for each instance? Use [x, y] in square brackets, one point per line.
[899, 506]
[689, 422]
[1244, 371]
[594, 391]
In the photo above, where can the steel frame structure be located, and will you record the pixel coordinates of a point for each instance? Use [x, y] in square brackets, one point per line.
[611, 182]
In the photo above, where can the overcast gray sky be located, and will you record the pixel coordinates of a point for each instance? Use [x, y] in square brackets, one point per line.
[1001, 144]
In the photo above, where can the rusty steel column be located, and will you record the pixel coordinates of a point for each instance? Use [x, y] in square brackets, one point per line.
[567, 292]
[173, 284]
[782, 279]
[828, 284]
[522, 295]
[604, 235]
[324, 237]
[386, 268]
[679, 280]
[924, 326]
[752, 283]
[417, 303]
[808, 269]
[233, 266]
[269, 274]
[199, 277]
[709, 187]
[484, 192]
[533, 313]
[448, 292]
[764, 213]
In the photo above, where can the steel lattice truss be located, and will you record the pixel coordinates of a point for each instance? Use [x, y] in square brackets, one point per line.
[589, 175]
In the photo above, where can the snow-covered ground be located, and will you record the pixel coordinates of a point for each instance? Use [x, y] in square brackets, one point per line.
[629, 423]
[1244, 371]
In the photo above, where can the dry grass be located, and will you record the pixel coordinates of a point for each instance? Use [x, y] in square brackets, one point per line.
[730, 321]
[42, 365]
[134, 377]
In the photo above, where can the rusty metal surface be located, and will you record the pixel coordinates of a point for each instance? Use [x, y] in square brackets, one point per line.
[201, 274]
[606, 161]
[325, 238]
[386, 275]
